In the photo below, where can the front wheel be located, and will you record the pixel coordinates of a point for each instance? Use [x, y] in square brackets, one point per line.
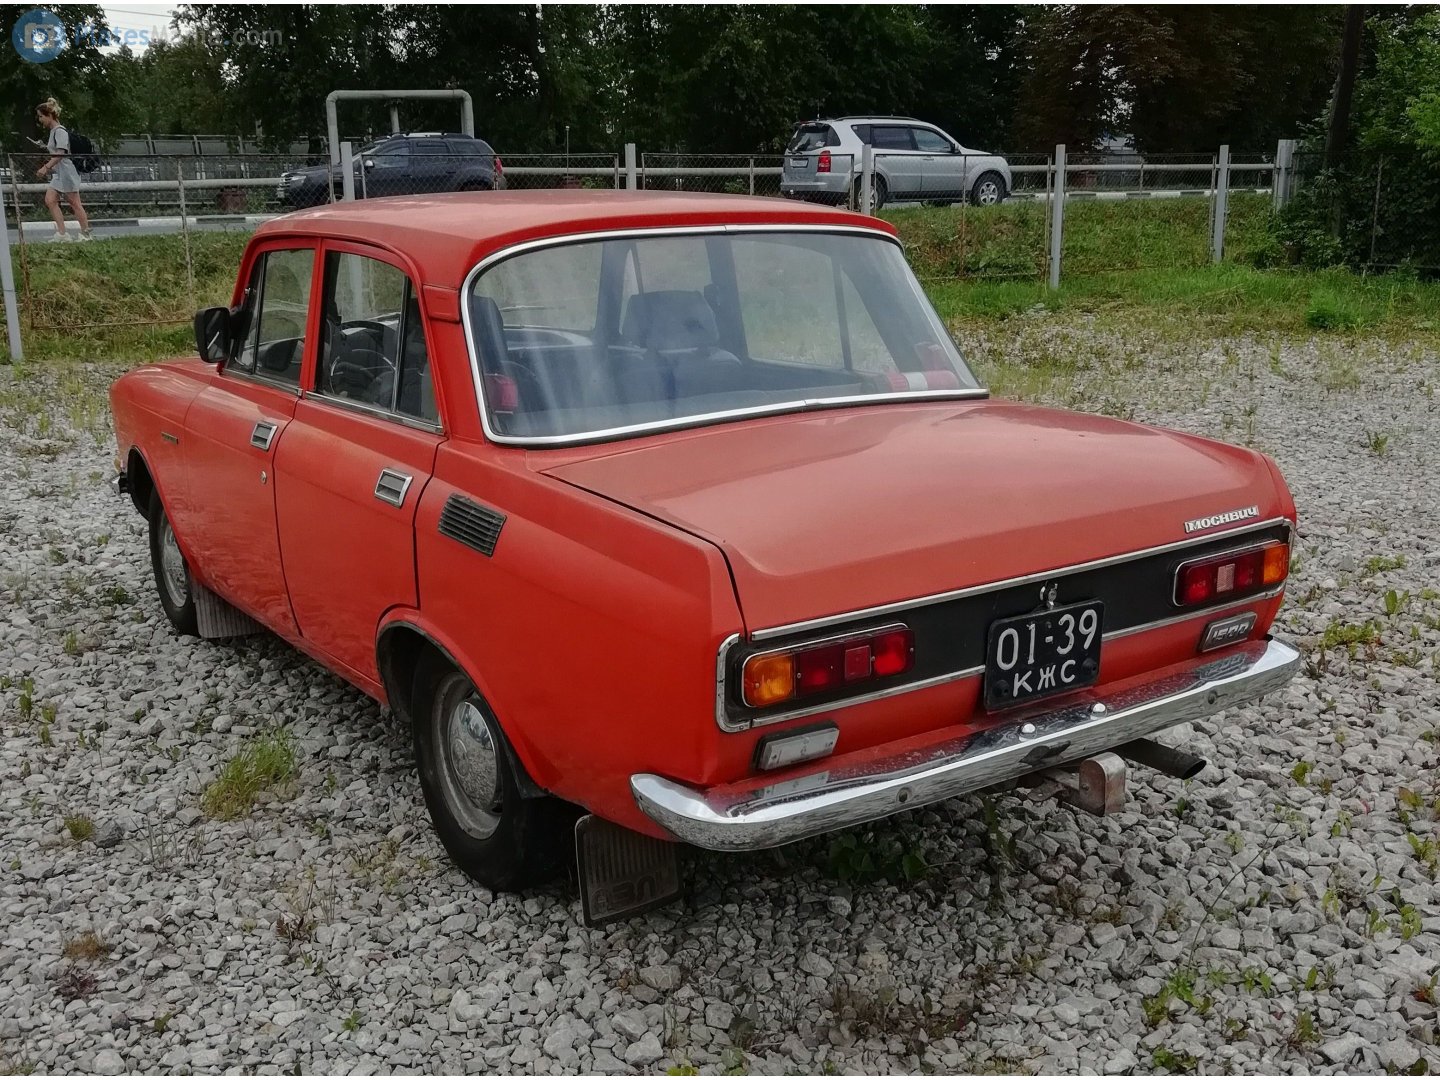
[989, 189]
[496, 832]
[172, 573]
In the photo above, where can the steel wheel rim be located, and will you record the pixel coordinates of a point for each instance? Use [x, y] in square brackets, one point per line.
[172, 566]
[989, 193]
[469, 764]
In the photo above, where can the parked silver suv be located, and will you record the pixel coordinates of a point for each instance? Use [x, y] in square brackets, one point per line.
[913, 161]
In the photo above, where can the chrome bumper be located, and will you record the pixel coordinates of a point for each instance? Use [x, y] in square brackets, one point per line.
[743, 818]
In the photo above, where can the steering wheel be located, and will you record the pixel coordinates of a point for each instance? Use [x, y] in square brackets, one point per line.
[355, 370]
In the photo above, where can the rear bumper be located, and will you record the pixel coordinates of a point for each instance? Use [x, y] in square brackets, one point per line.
[743, 818]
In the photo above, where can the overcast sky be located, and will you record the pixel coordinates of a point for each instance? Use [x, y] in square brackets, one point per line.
[136, 16]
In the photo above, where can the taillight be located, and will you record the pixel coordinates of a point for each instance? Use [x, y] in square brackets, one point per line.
[499, 167]
[823, 165]
[1233, 574]
[838, 664]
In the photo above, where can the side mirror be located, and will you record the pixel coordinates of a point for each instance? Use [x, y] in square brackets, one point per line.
[213, 334]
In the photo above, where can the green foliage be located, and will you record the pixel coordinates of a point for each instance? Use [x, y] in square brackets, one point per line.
[1379, 204]
[862, 857]
[263, 763]
[79, 826]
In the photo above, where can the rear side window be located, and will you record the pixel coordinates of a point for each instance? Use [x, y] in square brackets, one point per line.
[278, 307]
[373, 341]
[892, 138]
[810, 137]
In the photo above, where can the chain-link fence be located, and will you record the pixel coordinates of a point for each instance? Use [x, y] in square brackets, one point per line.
[727, 174]
[1368, 209]
[963, 215]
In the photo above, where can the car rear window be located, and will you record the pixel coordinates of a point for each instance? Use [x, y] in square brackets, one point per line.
[593, 338]
[810, 137]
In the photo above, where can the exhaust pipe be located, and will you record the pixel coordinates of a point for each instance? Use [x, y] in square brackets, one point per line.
[1166, 759]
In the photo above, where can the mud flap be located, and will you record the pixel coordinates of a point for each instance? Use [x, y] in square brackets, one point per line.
[622, 872]
[217, 618]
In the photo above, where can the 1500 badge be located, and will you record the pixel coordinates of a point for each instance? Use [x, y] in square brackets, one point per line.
[1226, 518]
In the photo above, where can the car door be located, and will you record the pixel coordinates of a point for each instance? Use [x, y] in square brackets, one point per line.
[897, 160]
[387, 170]
[942, 169]
[233, 431]
[357, 457]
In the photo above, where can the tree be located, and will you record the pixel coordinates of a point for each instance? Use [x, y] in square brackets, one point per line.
[1176, 78]
[75, 78]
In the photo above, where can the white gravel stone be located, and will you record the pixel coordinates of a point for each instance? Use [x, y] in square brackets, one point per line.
[1048, 945]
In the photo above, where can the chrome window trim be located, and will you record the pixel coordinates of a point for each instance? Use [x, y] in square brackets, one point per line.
[607, 434]
[321, 398]
[293, 389]
[724, 722]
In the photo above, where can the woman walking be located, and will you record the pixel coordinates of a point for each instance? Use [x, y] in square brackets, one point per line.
[64, 179]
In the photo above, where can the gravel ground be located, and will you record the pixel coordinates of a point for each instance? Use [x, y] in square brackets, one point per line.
[1279, 915]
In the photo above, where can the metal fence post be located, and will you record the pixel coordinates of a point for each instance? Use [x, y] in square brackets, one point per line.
[615, 164]
[630, 176]
[1283, 177]
[7, 279]
[347, 172]
[752, 176]
[1222, 204]
[867, 180]
[185, 229]
[1057, 215]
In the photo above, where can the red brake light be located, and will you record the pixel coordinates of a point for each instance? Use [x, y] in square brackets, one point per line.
[823, 165]
[769, 678]
[499, 166]
[1231, 574]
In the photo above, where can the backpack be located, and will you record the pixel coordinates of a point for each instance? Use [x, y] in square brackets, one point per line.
[82, 152]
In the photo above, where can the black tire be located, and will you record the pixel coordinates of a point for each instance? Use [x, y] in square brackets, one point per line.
[172, 573]
[879, 190]
[988, 190]
[511, 841]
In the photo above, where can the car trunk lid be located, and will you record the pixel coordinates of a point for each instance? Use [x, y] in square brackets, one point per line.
[839, 510]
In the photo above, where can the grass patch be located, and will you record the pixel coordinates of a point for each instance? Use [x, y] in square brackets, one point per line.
[86, 946]
[263, 763]
[74, 288]
[79, 826]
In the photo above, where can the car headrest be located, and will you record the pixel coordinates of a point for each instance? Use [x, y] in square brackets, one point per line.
[669, 319]
[489, 327]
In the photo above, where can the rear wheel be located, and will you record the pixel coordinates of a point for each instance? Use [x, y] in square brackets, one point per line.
[879, 190]
[494, 830]
[989, 189]
[172, 573]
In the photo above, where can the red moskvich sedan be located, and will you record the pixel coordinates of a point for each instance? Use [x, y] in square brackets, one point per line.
[683, 510]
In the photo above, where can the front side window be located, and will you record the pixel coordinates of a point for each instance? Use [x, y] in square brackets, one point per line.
[277, 306]
[372, 347]
[675, 328]
[931, 142]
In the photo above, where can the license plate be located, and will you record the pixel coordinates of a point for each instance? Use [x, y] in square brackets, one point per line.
[1043, 653]
[799, 162]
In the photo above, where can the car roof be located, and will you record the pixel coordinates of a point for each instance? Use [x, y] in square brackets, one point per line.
[447, 234]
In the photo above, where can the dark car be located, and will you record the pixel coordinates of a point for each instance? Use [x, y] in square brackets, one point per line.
[402, 164]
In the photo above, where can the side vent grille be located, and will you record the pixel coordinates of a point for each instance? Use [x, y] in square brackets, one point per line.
[471, 524]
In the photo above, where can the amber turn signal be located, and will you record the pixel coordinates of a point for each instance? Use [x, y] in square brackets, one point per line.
[833, 664]
[769, 679]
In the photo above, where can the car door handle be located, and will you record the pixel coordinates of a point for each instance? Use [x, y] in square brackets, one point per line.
[262, 435]
[392, 487]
